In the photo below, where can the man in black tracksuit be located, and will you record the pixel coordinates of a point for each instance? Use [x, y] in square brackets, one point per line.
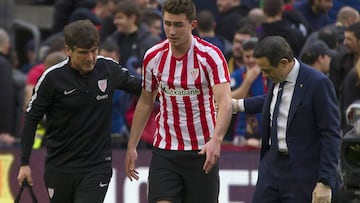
[76, 97]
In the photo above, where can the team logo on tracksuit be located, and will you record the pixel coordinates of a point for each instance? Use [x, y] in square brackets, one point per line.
[51, 192]
[102, 84]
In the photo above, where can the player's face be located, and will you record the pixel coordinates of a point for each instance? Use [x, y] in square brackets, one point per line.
[178, 29]
[83, 60]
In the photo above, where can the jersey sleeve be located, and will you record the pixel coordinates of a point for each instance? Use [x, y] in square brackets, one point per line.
[126, 81]
[217, 67]
[34, 112]
[149, 81]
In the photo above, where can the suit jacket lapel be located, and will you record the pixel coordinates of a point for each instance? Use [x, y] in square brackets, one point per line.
[299, 90]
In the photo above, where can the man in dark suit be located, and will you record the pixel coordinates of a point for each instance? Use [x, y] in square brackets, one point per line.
[300, 129]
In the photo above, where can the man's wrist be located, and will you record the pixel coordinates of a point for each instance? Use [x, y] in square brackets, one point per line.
[324, 182]
[235, 106]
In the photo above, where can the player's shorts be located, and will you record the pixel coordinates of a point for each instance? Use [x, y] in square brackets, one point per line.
[178, 176]
[77, 188]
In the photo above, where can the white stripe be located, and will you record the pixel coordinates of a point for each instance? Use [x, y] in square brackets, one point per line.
[41, 79]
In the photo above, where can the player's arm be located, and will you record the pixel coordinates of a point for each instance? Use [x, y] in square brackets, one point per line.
[142, 113]
[34, 112]
[222, 94]
[212, 148]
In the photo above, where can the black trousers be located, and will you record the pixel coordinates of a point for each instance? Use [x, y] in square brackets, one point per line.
[77, 188]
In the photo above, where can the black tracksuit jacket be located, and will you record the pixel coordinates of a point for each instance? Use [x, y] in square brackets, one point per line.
[78, 112]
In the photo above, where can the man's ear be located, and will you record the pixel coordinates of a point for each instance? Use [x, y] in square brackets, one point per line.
[284, 62]
[68, 50]
[194, 24]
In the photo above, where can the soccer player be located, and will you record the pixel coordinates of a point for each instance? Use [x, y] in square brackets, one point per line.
[187, 74]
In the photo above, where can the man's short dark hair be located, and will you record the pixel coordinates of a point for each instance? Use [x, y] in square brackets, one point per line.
[81, 34]
[354, 28]
[274, 48]
[186, 7]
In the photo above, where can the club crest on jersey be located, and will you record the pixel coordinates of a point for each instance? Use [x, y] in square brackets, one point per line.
[195, 73]
[51, 192]
[102, 84]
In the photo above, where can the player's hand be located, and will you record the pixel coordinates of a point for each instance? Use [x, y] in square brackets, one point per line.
[130, 160]
[321, 194]
[212, 152]
[25, 172]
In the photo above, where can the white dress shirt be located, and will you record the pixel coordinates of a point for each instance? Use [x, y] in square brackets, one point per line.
[284, 107]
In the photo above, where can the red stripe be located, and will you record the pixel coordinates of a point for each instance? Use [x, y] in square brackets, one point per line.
[188, 107]
[161, 94]
[203, 121]
[147, 59]
[212, 63]
[170, 83]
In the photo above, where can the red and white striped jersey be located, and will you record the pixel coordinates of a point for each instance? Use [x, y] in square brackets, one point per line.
[187, 112]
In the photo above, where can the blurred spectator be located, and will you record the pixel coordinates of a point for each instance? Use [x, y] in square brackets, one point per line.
[235, 60]
[315, 12]
[19, 80]
[30, 57]
[154, 4]
[111, 50]
[143, 4]
[295, 18]
[257, 16]
[245, 82]
[231, 12]
[345, 17]
[206, 30]
[102, 10]
[209, 5]
[132, 36]
[7, 94]
[153, 19]
[338, 4]
[275, 25]
[350, 58]
[133, 39]
[63, 10]
[351, 93]
[333, 34]
[318, 55]
[349, 62]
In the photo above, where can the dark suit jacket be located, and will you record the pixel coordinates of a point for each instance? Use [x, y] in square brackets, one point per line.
[313, 132]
